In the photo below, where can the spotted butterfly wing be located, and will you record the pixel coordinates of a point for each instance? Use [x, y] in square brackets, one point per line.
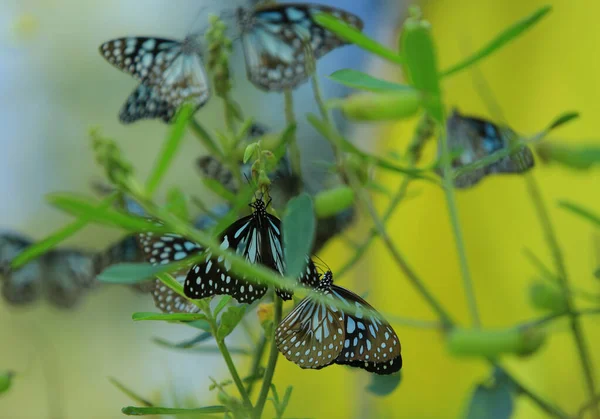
[21, 286]
[280, 42]
[356, 339]
[312, 334]
[370, 342]
[161, 250]
[171, 73]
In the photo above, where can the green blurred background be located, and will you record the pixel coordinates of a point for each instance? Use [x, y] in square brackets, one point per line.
[63, 358]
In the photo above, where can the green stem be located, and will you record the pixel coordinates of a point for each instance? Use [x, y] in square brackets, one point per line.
[559, 262]
[448, 186]
[274, 352]
[319, 99]
[290, 119]
[256, 363]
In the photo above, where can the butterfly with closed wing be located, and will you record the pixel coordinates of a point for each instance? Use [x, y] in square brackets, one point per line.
[281, 42]
[315, 335]
[170, 72]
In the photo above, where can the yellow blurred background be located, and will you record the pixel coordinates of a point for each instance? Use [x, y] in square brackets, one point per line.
[549, 70]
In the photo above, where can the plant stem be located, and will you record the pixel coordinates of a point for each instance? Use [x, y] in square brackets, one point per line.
[319, 99]
[274, 352]
[551, 239]
[290, 119]
[448, 186]
[256, 363]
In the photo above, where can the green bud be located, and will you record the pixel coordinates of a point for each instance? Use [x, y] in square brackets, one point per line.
[250, 151]
[577, 157]
[493, 343]
[333, 201]
[380, 106]
[546, 296]
[6, 379]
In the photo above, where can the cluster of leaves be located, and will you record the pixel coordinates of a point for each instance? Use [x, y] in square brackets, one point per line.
[380, 101]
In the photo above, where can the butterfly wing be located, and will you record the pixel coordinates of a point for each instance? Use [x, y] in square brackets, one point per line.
[21, 286]
[213, 276]
[171, 73]
[280, 41]
[369, 342]
[311, 335]
[161, 250]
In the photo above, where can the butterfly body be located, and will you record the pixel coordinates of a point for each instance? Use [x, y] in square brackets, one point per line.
[281, 41]
[316, 334]
[170, 72]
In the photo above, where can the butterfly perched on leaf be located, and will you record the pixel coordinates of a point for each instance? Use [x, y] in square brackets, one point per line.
[316, 334]
[281, 42]
[475, 138]
[170, 72]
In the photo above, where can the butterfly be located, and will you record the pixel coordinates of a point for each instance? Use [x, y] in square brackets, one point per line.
[476, 138]
[281, 41]
[171, 72]
[315, 335]
[62, 276]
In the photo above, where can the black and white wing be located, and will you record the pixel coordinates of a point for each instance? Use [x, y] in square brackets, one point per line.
[370, 342]
[24, 285]
[213, 276]
[171, 73]
[161, 250]
[281, 41]
[312, 334]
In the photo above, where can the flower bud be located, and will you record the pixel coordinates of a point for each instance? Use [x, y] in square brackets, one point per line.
[380, 106]
[493, 343]
[333, 201]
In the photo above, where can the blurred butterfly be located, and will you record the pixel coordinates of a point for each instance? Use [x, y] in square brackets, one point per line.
[171, 72]
[476, 138]
[281, 41]
[62, 276]
[314, 335]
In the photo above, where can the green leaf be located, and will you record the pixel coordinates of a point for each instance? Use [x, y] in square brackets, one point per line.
[143, 411]
[359, 80]
[563, 119]
[250, 151]
[6, 379]
[354, 36]
[177, 204]
[131, 273]
[84, 207]
[229, 320]
[205, 138]
[168, 317]
[218, 188]
[333, 201]
[225, 299]
[547, 296]
[493, 401]
[578, 157]
[421, 64]
[131, 394]
[384, 385]
[186, 344]
[201, 325]
[170, 147]
[298, 233]
[581, 211]
[499, 41]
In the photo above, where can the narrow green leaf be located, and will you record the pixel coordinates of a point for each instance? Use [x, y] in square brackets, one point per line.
[384, 385]
[493, 401]
[581, 211]
[53, 240]
[205, 138]
[129, 393]
[421, 63]
[218, 188]
[170, 147]
[168, 317]
[177, 204]
[500, 40]
[286, 400]
[201, 325]
[221, 304]
[359, 80]
[143, 411]
[84, 207]
[229, 320]
[132, 273]
[298, 233]
[352, 35]
[562, 119]
[6, 379]
[577, 157]
[186, 344]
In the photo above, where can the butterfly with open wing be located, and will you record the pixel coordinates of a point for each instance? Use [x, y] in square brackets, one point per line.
[257, 237]
[476, 138]
[281, 41]
[171, 73]
[315, 334]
